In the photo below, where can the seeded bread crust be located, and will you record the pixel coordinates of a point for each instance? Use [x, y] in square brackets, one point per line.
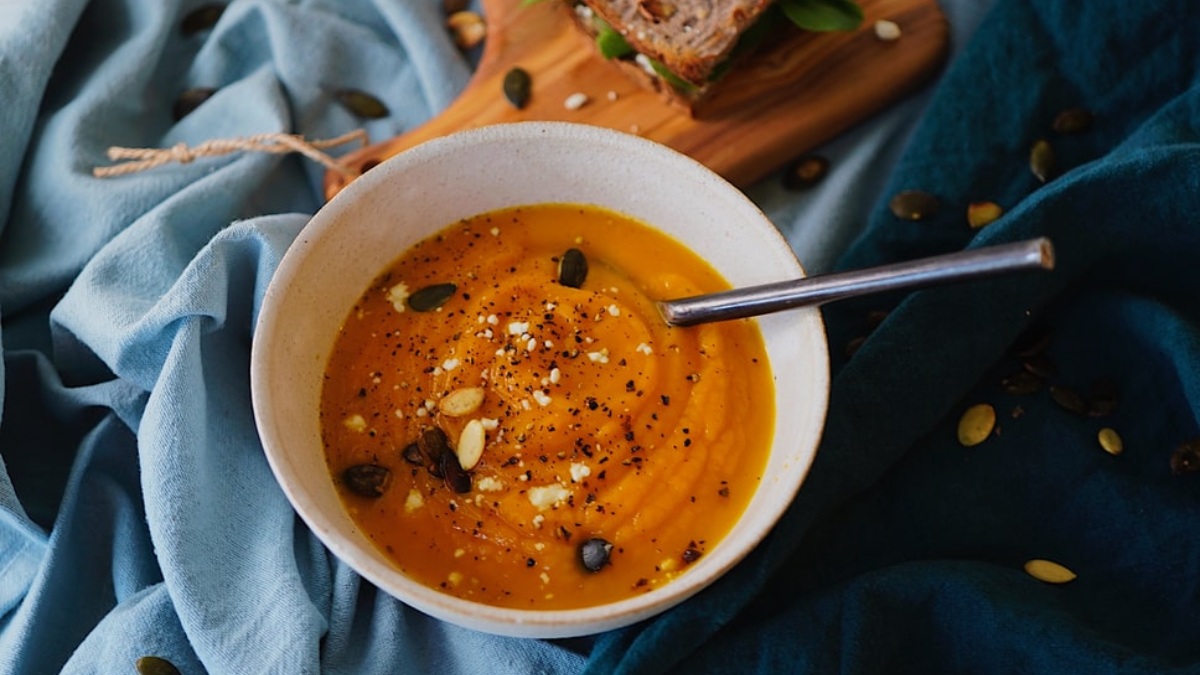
[689, 37]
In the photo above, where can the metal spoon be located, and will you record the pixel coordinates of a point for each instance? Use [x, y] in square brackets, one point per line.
[977, 263]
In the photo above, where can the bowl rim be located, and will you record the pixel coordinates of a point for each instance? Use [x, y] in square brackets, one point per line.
[469, 613]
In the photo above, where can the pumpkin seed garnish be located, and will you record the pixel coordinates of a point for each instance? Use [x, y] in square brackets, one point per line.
[1072, 121]
[980, 214]
[434, 444]
[805, 172]
[976, 424]
[431, 297]
[456, 477]
[1041, 160]
[155, 665]
[412, 454]
[461, 401]
[361, 103]
[914, 205]
[572, 268]
[595, 553]
[470, 444]
[1069, 400]
[1110, 440]
[189, 100]
[1186, 458]
[518, 86]
[201, 19]
[1048, 571]
[367, 480]
[1021, 383]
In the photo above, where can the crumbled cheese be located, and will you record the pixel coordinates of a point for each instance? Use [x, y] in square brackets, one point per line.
[541, 397]
[430, 405]
[888, 31]
[398, 295]
[495, 231]
[414, 501]
[459, 552]
[548, 344]
[489, 484]
[531, 345]
[644, 348]
[544, 577]
[598, 357]
[421, 412]
[454, 578]
[518, 328]
[355, 423]
[579, 471]
[538, 520]
[489, 424]
[548, 496]
[539, 546]
[450, 364]
[576, 101]
[614, 310]
[555, 376]
[399, 414]
[612, 95]
[550, 306]
[644, 61]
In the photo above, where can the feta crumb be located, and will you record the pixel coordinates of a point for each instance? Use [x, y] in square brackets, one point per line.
[459, 552]
[355, 423]
[492, 319]
[421, 412]
[888, 31]
[644, 348]
[430, 405]
[612, 95]
[414, 501]
[454, 578]
[397, 295]
[550, 306]
[525, 404]
[598, 357]
[548, 496]
[544, 577]
[576, 101]
[548, 344]
[614, 310]
[489, 424]
[538, 520]
[531, 345]
[541, 398]
[399, 414]
[450, 364]
[518, 327]
[495, 231]
[540, 546]
[489, 484]
[579, 471]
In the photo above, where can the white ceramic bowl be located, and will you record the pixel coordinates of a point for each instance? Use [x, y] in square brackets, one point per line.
[378, 216]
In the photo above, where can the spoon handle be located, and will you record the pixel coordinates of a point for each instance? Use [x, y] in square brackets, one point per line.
[952, 267]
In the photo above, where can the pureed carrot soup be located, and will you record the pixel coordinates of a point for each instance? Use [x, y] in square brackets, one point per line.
[508, 417]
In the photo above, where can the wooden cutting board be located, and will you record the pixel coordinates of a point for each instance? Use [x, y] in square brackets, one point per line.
[783, 103]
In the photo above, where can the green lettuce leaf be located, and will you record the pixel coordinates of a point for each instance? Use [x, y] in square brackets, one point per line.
[823, 15]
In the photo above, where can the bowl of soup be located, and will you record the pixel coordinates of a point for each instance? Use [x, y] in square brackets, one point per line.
[462, 383]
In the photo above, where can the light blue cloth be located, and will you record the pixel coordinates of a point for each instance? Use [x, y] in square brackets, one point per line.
[137, 512]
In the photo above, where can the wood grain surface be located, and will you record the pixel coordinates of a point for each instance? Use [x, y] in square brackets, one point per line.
[770, 110]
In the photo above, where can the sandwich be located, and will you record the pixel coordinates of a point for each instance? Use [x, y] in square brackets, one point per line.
[686, 48]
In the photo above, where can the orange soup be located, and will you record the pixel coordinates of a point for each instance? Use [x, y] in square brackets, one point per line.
[509, 419]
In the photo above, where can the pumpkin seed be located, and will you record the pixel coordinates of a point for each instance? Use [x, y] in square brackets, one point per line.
[431, 297]
[976, 424]
[980, 214]
[805, 172]
[1073, 121]
[189, 100]
[367, 480]
[595, 553]
[456, 477]
[1041, 160]
[1110, 440]
[412, 454]
[518, 86]
[155, 665]
[572, 268]
[201, 19]
[914, 205]
[1048, 571]
[434, 444]
[1186, 458]
[1068, 399]
[1021, 383]
[467, 28]
[1102, 397]
[470, 444]
[462, 401]
[362, 104]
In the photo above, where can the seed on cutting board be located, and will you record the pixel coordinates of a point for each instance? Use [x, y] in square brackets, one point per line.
[572, 268]
[1072, 121]
[155, 665]
[1186, 458]
[1041, 160]
[976, 424]
[805, 172]
[1048, 571]
[594, 554]
[980, 214]
[367, 480]
[470, 444]
[1068, 399]
[1110, 440]
[914, 205]
[468, 29]
[189, 100]
[1021, 383]
[201, 19]
[431, 297]
[518, 86]
[361, 103]
[888, 31]
[462, 401]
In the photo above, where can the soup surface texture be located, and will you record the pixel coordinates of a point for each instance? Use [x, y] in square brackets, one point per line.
[510, 438]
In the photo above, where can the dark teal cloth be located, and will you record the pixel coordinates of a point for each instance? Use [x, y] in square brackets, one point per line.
[904, 551]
